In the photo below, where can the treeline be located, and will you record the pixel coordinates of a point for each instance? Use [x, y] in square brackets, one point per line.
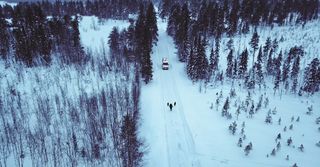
[239, 14]
[135, 43]
[34, 32]
[117, 9]
[267, 61]
[191, 24]
[33, 38]
[213, 19]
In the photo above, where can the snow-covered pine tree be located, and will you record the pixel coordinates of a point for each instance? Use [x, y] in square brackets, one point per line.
[182, 33]
[226, 107]
[268, 119]
[240, 142]
[191, 65]
[202, 64]
[243, 64]
[273, 152]
[216, 54]
[143, 37]
[250, 80]
[294, 73]
[258, 69]
[114, 41]
[172, 20]
[229, 69]
[286, 69]
[248, 148]
[151, 22]
[230, 44]
[278, 146]
[275, 45]
[277, 70]
[233, 18]
[211, 63]
[131, 154]
[267, 46]
[311, 77]
[164, 8]
[254, 43]
[4, 37]
[235, 68]
[233, 127]
[270, 63]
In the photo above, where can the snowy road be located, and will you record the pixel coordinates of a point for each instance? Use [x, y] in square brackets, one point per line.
[177, 143]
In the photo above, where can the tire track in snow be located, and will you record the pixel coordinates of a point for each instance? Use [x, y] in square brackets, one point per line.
[179, 140]
[175, 143]
[164, 117]
[186, 128]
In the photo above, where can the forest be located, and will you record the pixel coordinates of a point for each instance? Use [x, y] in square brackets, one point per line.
[62, 104]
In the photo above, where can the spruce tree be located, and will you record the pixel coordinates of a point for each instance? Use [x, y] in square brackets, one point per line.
[286, 69]
[191, 65]
[182, 33]
[201, 61]
[225, 108]
[165, 8]
[139, 34]
[275, 45]
[229, 69]
[172, 20]
[216, 54]
[294, 73]
[143, 47]
[311, 77]
[131, 154]
[212, 63]
[230, 44]
[250, 80]
[258, 69]
[151, 22]
[277, 69]
[75, 32]
[220, 23]
[243, 64]
[114, 41]
[77, 49]
[4, 38]
[254, 43]
[233, 18]
[270, 65]
[267, 46]
[235, 68]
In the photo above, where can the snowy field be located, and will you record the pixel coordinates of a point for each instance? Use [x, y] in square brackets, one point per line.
[94, 32]
[195, 133]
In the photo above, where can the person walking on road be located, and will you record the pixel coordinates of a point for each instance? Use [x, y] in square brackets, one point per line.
[170, 106]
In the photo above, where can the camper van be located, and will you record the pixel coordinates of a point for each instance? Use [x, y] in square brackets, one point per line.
[165, 64]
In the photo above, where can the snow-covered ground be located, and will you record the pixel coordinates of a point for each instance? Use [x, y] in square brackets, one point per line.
[94, 33]
[195, 133]
[3, 3]
[307, 36]
[29, 89]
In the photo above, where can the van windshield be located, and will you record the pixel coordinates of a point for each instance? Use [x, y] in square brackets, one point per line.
[165, 63]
